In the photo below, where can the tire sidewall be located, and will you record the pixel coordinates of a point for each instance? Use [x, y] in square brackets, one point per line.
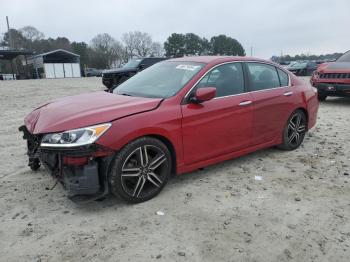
[285, 144]
[115, 179]
[321, 96]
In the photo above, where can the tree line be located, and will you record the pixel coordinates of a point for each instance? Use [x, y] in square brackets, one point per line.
[306, 57]
[104, 51]
[178, 45]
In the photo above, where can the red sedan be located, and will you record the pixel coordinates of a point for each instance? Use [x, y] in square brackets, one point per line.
[174, 117]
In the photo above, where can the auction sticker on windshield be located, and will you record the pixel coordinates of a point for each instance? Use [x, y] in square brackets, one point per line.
[187, 67]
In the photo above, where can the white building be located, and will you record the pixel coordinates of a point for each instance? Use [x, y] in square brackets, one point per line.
[56, 64]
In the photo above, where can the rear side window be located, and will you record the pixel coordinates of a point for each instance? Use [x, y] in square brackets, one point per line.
[262, 76]
[284, 78]
[228, 79]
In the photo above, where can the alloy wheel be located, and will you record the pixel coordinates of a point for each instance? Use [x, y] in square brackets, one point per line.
[144, 171]
[296, 129]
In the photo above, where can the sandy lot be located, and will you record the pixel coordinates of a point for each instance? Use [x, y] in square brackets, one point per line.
[300, 211]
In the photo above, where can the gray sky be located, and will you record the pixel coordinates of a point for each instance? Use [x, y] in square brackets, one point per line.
[270, 26]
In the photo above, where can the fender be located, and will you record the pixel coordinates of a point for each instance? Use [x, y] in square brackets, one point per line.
[164, 122]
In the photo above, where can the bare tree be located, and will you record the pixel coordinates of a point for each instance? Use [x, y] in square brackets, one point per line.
[157, 49]
[138, 44]
[31, 33]
[111, 50]
[129, 40]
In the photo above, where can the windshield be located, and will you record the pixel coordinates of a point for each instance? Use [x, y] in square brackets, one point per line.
[345, 57]
[162, 80]
[133, 63]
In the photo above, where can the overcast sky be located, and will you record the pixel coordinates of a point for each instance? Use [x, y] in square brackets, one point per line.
[270, 26]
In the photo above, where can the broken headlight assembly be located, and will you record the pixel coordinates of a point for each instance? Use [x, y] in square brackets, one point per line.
[76, 137]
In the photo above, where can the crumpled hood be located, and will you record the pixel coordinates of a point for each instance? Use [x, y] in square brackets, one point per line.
[334, 67]
[85, 110]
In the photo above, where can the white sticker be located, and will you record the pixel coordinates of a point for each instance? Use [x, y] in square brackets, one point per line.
[187, 67]
[258, 178]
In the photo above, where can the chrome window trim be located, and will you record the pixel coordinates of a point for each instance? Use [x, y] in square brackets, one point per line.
[289, 79]
[248, 92]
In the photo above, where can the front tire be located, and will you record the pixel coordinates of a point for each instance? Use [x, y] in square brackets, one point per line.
[321, 97]
[141, 170]
[34, 164]
[294, 131]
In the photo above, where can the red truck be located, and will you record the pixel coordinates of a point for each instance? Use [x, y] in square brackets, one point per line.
[333, 79]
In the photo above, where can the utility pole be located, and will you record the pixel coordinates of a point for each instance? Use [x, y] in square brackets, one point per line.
[251, 51]
[11, 47]
[9, 32]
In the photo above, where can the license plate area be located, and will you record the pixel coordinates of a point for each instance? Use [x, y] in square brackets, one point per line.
[331, 88]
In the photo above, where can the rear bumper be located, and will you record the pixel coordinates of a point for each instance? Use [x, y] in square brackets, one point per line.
[333, 89]
[83, 171]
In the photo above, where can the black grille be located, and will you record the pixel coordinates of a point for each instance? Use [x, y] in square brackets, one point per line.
[335, 76]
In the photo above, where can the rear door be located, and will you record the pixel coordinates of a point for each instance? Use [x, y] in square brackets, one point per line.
[223, 124]
[272, 99]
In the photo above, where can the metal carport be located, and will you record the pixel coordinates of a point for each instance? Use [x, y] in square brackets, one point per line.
[57, 64]
[8, 54]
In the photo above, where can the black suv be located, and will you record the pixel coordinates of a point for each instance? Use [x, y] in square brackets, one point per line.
[114, 77]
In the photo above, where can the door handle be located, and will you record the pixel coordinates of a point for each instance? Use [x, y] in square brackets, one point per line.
[245, 103]
[288, 93]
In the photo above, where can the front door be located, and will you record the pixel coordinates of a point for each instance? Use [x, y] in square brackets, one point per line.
[223, 124]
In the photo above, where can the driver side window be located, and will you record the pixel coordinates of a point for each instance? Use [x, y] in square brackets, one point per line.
[228, 79]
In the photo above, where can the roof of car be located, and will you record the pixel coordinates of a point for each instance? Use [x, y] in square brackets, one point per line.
[211, 59]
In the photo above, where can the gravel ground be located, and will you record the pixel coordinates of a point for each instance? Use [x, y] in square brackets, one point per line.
[299, 211]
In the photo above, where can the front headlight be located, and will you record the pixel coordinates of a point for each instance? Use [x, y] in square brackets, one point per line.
[76, 137]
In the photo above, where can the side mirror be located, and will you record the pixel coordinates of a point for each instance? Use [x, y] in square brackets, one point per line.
[203, 94]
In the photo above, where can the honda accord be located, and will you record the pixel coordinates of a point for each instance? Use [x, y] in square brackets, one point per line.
[174, 117]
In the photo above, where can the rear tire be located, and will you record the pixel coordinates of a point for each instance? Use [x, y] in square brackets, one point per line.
[140, 170]
[294, 131]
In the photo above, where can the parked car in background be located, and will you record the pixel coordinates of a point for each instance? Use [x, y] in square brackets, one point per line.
[304, 68]
[172, 118]
[114, 77]
[333, 78]
[8, 77]
[284, 63]
[93, 72]
[287, 64]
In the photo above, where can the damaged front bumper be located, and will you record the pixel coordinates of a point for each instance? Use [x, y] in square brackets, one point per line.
[83, 171]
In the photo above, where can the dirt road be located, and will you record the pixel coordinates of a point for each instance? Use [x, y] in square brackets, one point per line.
[299, 211]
